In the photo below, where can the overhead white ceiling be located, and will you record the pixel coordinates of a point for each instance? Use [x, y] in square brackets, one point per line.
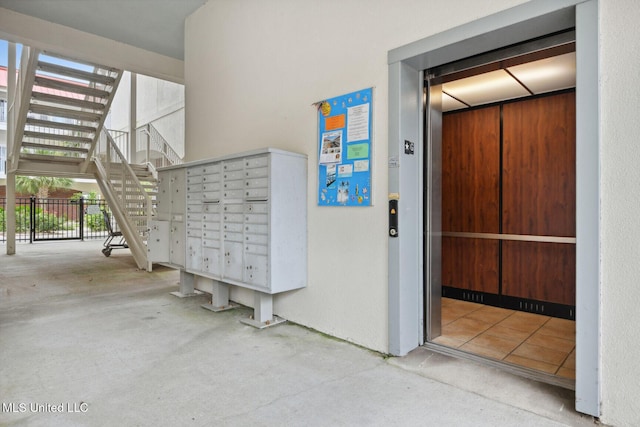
[153, 25]
[532, 78]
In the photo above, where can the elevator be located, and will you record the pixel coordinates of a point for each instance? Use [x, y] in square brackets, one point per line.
[500, 169]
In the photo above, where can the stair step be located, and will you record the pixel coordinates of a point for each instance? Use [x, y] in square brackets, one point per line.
[65, 86]
[117, 182]
[77, 61]
[145, 187]
[132, 193]
[147, 190]
[134, 166]
[64, 112]
[54, 147]
[58, 125]
[75, 73]
[57, 137]
[63, 100]
[49, 158]
[128, 190]
[141, 176]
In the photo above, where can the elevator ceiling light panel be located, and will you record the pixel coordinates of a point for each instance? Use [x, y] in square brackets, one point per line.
[485, 88]
[547, 75]
[532, 78]
[449, 103]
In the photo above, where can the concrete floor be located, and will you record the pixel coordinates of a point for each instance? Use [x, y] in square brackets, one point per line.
[113, 347]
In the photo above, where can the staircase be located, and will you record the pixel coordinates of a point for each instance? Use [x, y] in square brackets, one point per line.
[130, 191]
[60, 108]
[135, 186]
[60, 113]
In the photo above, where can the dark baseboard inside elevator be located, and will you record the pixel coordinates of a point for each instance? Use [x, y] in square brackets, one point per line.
[546, 308]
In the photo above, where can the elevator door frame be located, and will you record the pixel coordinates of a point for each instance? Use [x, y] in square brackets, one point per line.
[533, 19]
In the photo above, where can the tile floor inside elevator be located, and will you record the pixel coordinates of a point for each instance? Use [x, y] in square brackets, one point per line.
[534, 341]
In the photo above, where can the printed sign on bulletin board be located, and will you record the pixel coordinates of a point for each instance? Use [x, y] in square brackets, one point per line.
[344, 156]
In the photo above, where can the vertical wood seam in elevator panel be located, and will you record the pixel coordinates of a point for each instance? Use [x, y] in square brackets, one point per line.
[534, 196]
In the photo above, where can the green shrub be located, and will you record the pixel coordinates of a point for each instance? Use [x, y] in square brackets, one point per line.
[47, 222]
[95, 222]
[22, 219]
[23, 214]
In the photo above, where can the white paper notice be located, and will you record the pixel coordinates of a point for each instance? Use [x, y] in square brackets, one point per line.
[358, 123]
[331, 151]
[361, 165]
[345, 171]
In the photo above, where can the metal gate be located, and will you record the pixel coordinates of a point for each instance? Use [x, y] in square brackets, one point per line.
[56, 219]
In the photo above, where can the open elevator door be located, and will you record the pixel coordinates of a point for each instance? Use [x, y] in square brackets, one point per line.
[475, 233]
[408, 273]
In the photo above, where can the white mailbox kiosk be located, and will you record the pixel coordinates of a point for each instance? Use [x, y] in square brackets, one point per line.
[238, 220]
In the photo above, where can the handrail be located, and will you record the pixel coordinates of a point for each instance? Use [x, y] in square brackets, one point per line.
[160, 144]
[24, 87]
[153, 170]
[127, 167]
[122, 159]
[100, 127]
[112, 154]
[121, 138]
[135, 245]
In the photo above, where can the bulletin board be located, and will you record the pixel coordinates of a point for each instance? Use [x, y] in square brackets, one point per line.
[344, 149]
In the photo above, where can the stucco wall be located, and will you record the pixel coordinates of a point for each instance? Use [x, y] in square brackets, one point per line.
[620, 233]
[159, 102]
[252, 71]
[254, 68]
[118, 118]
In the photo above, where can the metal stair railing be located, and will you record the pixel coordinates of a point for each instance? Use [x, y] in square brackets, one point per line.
[107, 107]
[121, 139]
[132, 192]
[131, 204]
[155, 141]
[24, 87]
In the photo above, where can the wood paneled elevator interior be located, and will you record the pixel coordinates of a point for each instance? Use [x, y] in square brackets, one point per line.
[502, 208]
[508, 201]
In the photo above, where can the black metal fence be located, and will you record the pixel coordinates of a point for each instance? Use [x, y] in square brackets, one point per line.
[56, 219]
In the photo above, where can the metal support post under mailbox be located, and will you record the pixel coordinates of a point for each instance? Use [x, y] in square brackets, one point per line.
[187, 286]
[263, 312]
[219, 297]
